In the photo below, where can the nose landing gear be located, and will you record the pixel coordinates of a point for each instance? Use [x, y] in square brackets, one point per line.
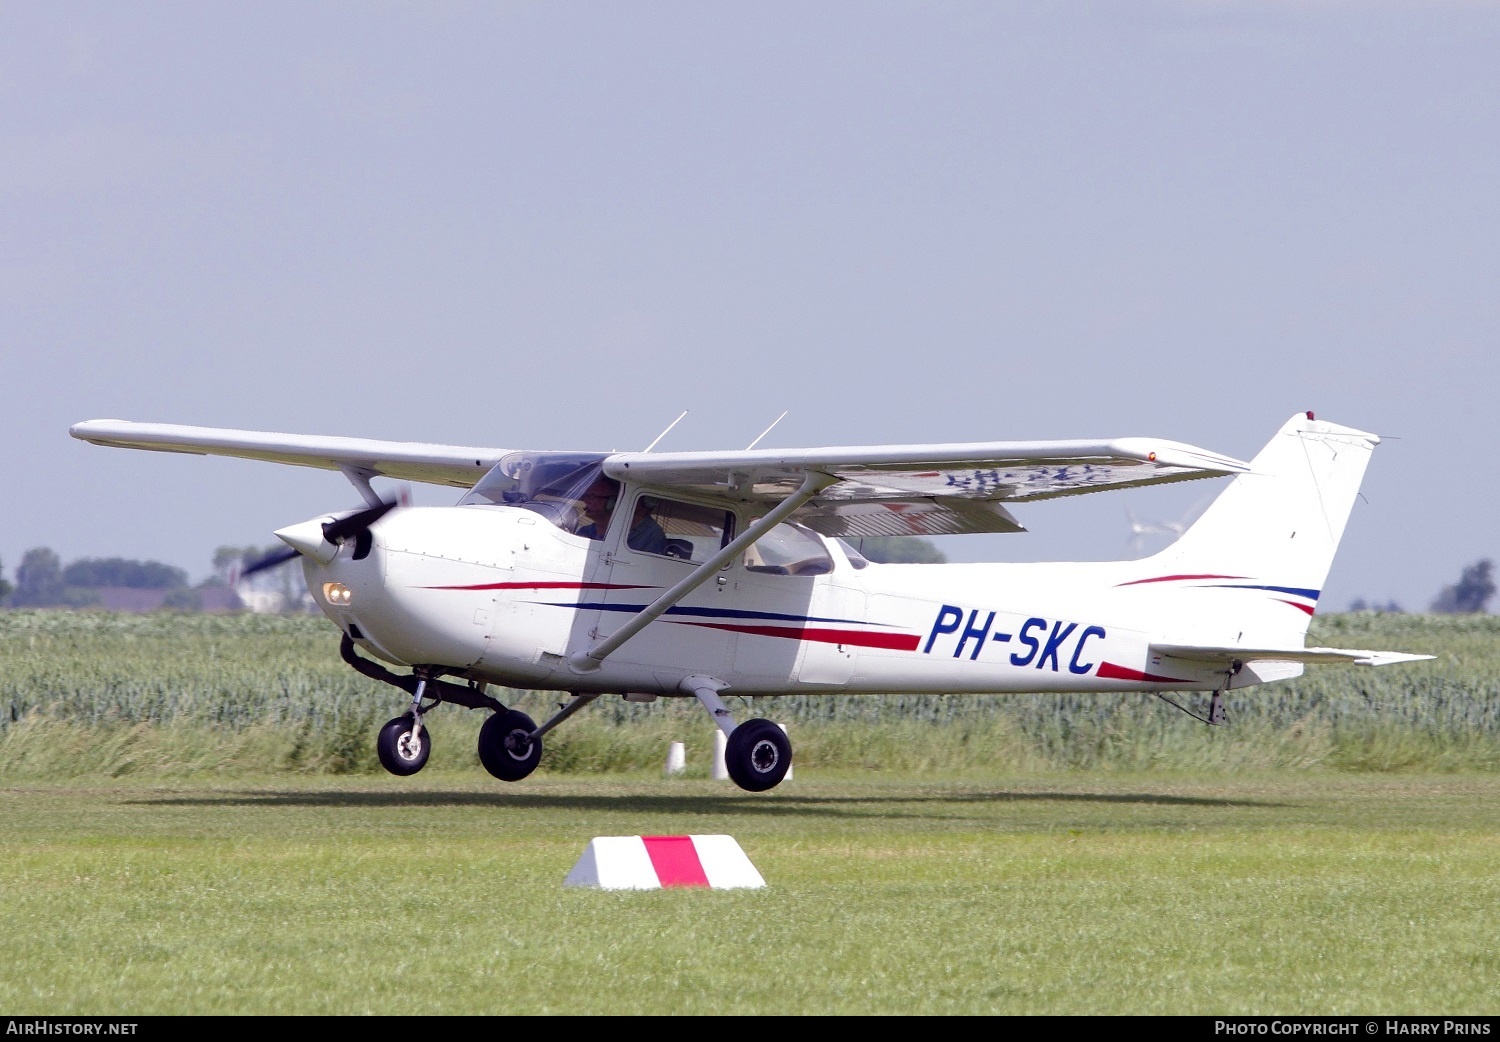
[404, 743]
[510, 743]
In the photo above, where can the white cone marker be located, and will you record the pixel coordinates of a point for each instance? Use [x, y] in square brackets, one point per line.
[720, 772]
[657, 862]
[676, 758]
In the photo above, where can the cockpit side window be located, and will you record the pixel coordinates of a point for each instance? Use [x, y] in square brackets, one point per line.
[671, 528]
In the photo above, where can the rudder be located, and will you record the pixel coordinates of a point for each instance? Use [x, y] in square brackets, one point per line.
[1279, 525]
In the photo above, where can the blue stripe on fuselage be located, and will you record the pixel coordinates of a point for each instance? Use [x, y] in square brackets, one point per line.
[1297, 591]
[710, 613]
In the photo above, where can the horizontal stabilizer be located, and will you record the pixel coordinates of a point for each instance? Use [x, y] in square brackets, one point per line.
[1314, 656]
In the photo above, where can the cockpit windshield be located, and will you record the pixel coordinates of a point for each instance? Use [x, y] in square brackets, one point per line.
[561, 486]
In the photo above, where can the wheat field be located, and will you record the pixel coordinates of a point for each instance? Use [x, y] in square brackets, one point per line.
[97, 694]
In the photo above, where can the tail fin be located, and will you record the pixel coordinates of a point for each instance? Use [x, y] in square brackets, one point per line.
[1276, 528]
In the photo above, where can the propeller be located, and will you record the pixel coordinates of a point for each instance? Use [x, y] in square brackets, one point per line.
[269, 561]
[336, 532]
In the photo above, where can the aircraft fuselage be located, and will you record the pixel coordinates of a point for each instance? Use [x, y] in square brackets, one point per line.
[500, 595]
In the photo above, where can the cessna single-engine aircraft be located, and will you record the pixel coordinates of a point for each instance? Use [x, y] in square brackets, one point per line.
[696, 574]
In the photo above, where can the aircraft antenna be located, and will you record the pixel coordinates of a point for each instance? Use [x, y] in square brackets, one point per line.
[663, 434]
[767, 430]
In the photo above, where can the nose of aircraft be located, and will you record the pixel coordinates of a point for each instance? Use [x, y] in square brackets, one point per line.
[307, 539]
[320, 538]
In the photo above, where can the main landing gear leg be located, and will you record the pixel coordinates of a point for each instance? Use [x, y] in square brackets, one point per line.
[758, 754]
[510, 743]
[706, 690]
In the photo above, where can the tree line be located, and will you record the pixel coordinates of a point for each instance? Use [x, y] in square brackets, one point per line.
[43, 581]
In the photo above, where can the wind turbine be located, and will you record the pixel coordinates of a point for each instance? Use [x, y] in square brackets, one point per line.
[1143, 531]
[1140, 531]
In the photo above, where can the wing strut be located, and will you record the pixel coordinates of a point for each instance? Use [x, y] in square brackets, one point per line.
[588, 661]
[360, 477]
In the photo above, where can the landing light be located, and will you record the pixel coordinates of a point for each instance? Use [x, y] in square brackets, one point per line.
[337, 593]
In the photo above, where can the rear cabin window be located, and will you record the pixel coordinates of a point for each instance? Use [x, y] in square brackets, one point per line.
[789, 549]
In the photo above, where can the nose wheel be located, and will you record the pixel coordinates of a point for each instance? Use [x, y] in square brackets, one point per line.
[403, 746]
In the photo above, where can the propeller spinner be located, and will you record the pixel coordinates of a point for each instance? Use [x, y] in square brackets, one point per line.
[320, 539]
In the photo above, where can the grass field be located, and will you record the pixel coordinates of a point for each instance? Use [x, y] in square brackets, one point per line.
[1294, 893]
[195, 823]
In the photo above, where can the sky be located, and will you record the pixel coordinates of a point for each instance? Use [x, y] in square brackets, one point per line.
[558, 225]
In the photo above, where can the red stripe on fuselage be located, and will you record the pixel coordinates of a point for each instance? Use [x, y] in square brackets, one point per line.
[1110, 671]
[1174, 578]
[1305, 607]
[859, 638]
[675, 860]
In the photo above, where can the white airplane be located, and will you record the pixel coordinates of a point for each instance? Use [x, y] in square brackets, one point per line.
[695, 574]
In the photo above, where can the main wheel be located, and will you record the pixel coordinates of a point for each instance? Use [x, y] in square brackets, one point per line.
[758, 755]
[505, 750]
[400, 750]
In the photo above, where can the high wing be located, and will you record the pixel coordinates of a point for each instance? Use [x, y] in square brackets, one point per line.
[924, 489]
[1312, 656]
[877, 491]
[457, 465]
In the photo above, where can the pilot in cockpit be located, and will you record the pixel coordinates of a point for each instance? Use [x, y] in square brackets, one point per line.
[597, 505]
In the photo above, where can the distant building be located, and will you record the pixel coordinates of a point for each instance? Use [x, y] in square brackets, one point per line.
[273, 602]
[261, 602]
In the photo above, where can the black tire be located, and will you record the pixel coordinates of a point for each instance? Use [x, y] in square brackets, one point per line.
[504, 748]
[758, 755]
[399, 752]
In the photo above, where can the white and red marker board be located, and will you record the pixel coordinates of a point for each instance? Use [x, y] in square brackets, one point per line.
[656, 862]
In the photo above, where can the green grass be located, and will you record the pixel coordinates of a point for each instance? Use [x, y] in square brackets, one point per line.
[90, 694]
[195, 823]
[1290, 893]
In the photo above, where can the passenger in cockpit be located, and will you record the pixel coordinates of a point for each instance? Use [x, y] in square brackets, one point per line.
[646, 533]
